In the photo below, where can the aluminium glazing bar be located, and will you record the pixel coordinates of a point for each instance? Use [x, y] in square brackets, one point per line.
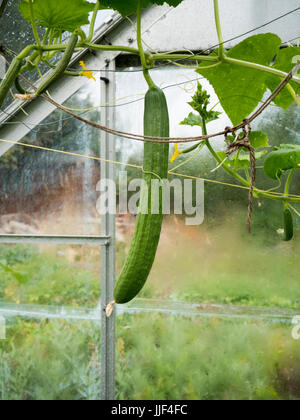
[55, 239]
[108, 227]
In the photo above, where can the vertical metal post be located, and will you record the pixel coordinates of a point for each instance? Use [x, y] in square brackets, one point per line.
[108, 252]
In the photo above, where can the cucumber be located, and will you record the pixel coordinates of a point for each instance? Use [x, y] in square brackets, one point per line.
[288, 225]
[148, 227]
[9, 78]
[60, 67]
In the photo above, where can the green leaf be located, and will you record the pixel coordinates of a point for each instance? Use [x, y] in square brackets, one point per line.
[129, 7]
[192, 120]
[258, 139]
[240, 89]
[63, 15]
[285, 61]
[282, 160]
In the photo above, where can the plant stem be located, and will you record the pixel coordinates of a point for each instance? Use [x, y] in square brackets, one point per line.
[288, 182]
[293, 93]
[139, 34]
[219, 160]
[226, 59]
[260, 67]
[219, 29]
[33, 24]
[26, 51]
[281, 198]
[140, 45]
[109, 48]
[166, 57]
[29, 62]
[148, 78]
[46, 36]
[92, 25]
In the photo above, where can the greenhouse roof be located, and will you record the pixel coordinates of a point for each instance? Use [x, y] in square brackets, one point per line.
[158, 35]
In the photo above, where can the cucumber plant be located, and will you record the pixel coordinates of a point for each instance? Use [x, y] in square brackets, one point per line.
[283, 159]
[250, 63]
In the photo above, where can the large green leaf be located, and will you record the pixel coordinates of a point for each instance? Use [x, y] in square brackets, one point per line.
[240, 89]
[129, 7]
[58, 14]
[285, 61]
[279, 161]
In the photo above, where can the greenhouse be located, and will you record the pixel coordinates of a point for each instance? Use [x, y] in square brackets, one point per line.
[149, 202]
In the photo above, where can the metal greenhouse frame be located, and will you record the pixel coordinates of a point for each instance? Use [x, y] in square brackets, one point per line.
[106, 241]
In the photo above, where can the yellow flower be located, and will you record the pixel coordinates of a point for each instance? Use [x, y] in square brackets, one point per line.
[176, 154]
[86, 72]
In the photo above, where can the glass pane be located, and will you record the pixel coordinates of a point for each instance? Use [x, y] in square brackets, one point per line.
[217, 261]
[16, 34]
[56, 275]
[44, 359]
[185, 358]
[219, 302]
[50, 192]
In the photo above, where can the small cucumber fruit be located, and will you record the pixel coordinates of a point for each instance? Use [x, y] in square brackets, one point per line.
[288, 225]
[60, 67]
[9, 78]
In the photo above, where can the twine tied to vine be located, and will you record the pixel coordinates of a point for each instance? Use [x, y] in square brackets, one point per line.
[238, 144]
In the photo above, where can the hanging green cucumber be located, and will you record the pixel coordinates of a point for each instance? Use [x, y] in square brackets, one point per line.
[288, 225]
[60, 67]
[148, 228]
[9, 78]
